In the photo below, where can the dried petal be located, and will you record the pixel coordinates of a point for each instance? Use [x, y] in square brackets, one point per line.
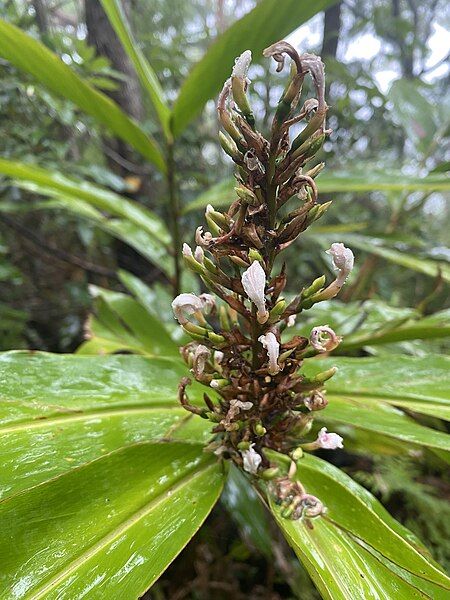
[203, 239]
[201, 355]
[324, 339]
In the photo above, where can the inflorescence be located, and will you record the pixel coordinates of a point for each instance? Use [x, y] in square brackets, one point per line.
[262, 408]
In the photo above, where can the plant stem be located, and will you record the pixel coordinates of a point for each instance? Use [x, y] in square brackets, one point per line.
[174, 204]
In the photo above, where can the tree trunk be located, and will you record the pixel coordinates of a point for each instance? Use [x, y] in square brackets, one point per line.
[129, 95]
[331, 30]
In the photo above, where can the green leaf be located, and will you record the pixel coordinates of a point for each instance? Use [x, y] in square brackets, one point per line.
[29, 55]
[122, 324]
[268, 22]
[67, 190]
[358, 550]
[380, 417]
[375, 246]
[431, 327]
[365, 391]
[149, 81]
[108, 528]
[58, 412]
[358, 180]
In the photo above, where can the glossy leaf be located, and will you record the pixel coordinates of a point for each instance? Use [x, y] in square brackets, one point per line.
[358, 550]
[147, 76]
[120, 324]
[31, 56]
[360, 180]
[46, 182]
[365, 391]
[58, 412]
[268, 22]
[108, 528]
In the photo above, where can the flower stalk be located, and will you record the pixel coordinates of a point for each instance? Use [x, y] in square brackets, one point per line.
[260, 405]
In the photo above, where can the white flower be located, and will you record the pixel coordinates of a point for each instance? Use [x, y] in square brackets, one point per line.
[270, 343]
[254, 283]
[238, 404]
[201, 355]
[203, 239]
[329, 441]
[218, 356]
[343, 261]
[187, 250]
[199, 255]
[185, 305]
[323, 339]
[252, 460]
[241, 65]
[291, 320]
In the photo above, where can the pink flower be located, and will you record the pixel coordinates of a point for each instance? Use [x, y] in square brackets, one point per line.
[329, 441]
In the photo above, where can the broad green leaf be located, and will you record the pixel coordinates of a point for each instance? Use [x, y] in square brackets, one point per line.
[108, 528]
[380, 417]
[431, 327]
[46, 182]
[137, 237]
[358, 550]
[147, 76]
[268, 22]
[122, 324]
[31, 56]
[58, 412]
[365, 391]
[375, 246]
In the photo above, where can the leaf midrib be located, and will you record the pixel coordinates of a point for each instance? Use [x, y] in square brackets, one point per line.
[39, 422]
[116, 532]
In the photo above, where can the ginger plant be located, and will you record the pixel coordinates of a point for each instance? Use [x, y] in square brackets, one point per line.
[263, 408]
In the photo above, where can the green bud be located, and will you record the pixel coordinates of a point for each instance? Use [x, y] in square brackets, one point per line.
[223, 319]
[269, 473]
[193, 265]
[277, 310]
[297, 454]
[253, 255]
[259, 429]
[214, 228]
[240, 97]
[246, 195]
[323, 376]
[218, 384]
[316, 285]
[229, 146]
[214, 337]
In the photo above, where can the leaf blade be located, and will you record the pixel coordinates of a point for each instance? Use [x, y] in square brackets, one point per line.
[28, 54]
